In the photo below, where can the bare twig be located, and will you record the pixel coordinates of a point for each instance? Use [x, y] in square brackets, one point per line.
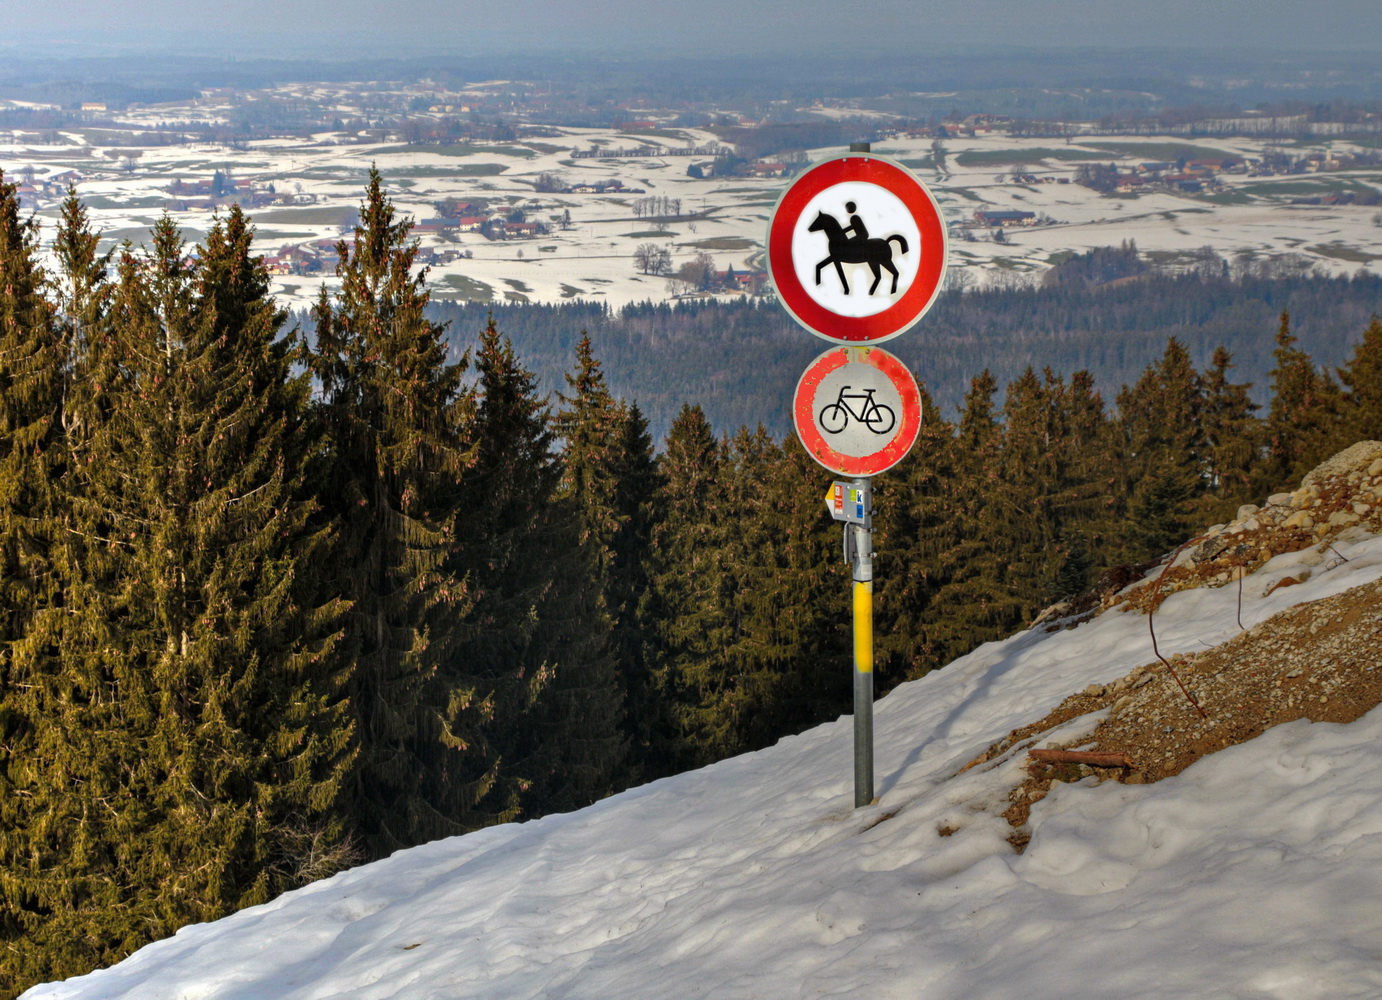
[1243, 571]
[1151, 612]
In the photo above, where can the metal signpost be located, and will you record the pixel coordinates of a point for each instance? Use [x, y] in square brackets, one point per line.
[856, 252]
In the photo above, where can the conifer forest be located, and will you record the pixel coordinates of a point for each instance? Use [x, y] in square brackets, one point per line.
[281, 597]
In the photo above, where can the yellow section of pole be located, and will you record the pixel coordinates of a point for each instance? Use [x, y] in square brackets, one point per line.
[863, 626]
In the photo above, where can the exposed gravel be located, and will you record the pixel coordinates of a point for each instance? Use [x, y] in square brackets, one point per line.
[1320, 661]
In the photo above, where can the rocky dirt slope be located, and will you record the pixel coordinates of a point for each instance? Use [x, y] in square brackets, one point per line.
[1320, 661]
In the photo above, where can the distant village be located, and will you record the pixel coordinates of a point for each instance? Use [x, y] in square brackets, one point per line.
[753, 149]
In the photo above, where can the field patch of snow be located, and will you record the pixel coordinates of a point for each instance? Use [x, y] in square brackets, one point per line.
[593, 256]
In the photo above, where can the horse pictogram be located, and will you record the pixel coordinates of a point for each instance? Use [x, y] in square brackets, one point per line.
[852, 245]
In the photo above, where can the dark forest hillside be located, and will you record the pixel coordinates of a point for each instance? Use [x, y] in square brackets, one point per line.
[740, 361]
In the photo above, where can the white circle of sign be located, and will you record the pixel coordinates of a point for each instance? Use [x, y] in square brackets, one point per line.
[867, 211]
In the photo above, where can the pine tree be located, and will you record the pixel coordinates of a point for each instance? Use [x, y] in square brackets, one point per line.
[1160, 445]
[32, 462]
[1362, 410]
[1302, 422]
[390, 412]
[689, 591]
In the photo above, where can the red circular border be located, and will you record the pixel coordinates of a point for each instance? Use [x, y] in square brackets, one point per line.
[804, 406]
[903, 313]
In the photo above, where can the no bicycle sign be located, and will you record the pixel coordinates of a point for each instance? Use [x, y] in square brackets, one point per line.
[857, 410]
[856, 249]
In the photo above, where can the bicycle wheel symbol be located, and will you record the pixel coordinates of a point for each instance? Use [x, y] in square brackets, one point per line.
[834, 418]
[881, 419]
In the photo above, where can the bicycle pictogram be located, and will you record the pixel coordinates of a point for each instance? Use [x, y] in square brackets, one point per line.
[877, 417]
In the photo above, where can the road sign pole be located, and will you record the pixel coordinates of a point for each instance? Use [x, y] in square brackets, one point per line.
[856, 251]
[863, 656]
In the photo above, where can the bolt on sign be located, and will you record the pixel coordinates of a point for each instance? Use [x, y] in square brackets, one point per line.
[857, 249]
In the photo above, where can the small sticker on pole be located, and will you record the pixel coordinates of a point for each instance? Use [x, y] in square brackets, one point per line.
[850, 502]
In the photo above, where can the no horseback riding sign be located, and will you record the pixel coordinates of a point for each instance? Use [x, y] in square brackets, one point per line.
[856, 249]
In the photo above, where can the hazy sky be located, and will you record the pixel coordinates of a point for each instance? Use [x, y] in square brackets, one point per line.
[706, 26]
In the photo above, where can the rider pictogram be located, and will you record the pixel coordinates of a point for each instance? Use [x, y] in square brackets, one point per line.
[859, 233]
[852, 244]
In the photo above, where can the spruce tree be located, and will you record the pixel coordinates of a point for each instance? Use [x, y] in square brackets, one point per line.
[1232, 440]
[510, 534]
[83, 290]
[391, 414]
[794, 591]
[918, 506]
[580, 714]
[731, 691]
[522, 556]
[1029, 479]
[32, 462]
[689, 587]
[637, 481]
[1362, 410]
[194, 735]
[1302, 422]
[1085, 496]
[1051, 486]
[32, 370]
[971, 603]
[588, 424]
[1159, 442]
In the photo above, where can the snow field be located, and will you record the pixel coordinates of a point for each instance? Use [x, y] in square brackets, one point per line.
[594, 258]
[1254, 874]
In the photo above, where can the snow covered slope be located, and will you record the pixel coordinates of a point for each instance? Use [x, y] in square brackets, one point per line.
[1255, 873]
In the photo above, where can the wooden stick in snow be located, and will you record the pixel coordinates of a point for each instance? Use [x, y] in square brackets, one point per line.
[1094, 758]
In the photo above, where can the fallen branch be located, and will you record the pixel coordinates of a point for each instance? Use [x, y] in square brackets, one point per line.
[1094, 758]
